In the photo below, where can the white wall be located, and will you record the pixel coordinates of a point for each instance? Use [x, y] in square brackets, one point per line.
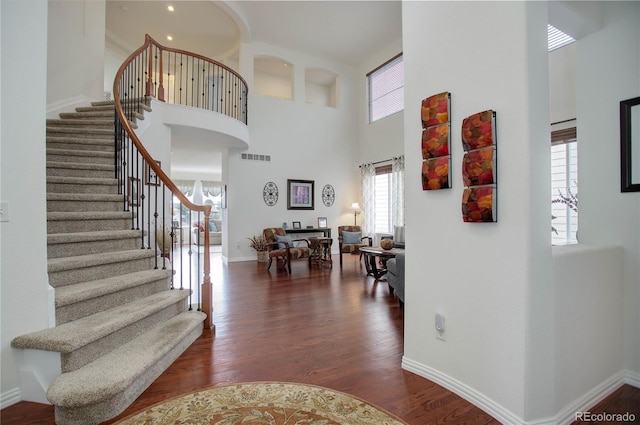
[383, 139]
[306, 142]
[588, 287]
[497, 305]
[608, 71]
[562, 84]
[76, 36]
[23, 277]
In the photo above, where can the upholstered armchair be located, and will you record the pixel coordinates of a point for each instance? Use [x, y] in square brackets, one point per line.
[350, 240]
[281, 247]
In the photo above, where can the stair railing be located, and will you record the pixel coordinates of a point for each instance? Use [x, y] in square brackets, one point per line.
[176, 76]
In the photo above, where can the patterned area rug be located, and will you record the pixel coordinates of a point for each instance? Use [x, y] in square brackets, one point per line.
[271, 403]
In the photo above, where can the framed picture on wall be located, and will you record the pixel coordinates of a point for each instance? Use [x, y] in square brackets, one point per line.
[150, 177]
[134, 192]
[300, 194]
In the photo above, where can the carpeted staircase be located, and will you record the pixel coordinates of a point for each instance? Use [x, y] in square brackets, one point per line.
[118, 323]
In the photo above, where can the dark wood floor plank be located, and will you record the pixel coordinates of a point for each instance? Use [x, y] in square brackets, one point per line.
[335, 328]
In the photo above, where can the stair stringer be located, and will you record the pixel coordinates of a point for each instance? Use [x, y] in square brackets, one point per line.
[38, 370]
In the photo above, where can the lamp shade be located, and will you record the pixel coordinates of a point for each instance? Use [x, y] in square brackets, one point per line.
[355, 206]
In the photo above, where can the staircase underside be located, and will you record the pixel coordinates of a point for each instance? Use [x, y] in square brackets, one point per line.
[119, 324]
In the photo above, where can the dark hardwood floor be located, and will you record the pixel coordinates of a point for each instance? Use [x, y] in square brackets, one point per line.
[334, 327]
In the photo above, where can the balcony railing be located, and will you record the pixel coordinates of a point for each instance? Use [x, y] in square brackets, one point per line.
[179, 77]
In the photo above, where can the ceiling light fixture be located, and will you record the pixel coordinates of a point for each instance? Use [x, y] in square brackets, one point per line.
[170, 38]
[171, 8]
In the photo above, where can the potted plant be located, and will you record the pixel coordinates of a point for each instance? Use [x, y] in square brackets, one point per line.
[260, 245]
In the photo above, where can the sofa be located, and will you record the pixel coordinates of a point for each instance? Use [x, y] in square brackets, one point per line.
[215, 233]
[395, 277]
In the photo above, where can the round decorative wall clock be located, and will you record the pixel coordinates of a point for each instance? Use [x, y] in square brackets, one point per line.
[270, 194]
[328, 195]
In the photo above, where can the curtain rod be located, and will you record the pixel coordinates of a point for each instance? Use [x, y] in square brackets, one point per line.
[381, 161]
[562, 122]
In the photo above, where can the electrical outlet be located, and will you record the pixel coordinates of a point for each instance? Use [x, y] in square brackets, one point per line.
[440, 327]
[4, 211]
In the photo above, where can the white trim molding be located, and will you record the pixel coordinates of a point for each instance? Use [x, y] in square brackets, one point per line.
[9, 398]
[66, 105]
[632, 378]
[564, 417]
[472, 396]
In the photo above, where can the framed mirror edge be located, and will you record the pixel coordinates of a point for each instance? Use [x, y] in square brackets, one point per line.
[626, 152]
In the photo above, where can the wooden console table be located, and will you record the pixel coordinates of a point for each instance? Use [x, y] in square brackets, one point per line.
[326, 231]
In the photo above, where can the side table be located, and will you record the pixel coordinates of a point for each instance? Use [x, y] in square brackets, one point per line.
[321, 250]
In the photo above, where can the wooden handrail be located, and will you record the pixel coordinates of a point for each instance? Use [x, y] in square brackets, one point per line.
[206, 300]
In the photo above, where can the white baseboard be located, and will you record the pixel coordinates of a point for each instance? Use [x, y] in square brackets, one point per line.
[564, 417]
[239, 259]
[592, 397]
[632, 378]
[67, 105]
[477, 399]
[9, 398]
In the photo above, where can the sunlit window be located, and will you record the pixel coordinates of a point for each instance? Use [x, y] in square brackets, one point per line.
[386, 89]
[557, 38]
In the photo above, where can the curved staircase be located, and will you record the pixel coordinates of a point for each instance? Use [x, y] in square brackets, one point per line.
[119, 324]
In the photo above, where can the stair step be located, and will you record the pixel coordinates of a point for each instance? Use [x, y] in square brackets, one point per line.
[79, 169]
[83, 299]
[84, 202]
[88, 221]
[81, 132]
[110, 107]
[85, 268]
[70, 155]
[106, 387]
[92, 113]
[62, 245]
[94, 335]
[143, 102]
[104, 103]
[66, 184]
[94, 123]
[71, 143]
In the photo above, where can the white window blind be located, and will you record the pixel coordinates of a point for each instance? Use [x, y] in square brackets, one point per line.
[564, 182]
[556, 38]
[386, 89]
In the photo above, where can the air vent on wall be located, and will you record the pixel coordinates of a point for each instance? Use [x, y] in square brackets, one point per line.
[256, 157]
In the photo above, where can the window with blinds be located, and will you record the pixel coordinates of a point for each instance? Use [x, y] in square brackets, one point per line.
[386, 89]
[564, 186]
[556, 38]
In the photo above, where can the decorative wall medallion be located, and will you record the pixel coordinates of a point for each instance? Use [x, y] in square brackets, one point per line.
[270, 194]
[328, 195]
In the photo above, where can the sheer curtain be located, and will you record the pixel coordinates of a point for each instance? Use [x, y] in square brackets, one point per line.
[368, 172]
[211, 188]
[397, 191]
[185, 186]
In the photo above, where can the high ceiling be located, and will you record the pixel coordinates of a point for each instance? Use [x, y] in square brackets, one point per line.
[347, 32]
[343, 31]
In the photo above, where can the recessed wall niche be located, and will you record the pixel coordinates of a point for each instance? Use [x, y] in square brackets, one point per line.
[321, 87]
[273, 77]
